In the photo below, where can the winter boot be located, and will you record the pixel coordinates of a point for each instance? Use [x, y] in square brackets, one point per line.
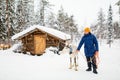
[89, 66]
[89, 69]
[95, 71]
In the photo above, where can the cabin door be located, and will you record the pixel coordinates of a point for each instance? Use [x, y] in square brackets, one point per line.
[40, 44]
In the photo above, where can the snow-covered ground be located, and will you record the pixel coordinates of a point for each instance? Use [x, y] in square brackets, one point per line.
[50, 66]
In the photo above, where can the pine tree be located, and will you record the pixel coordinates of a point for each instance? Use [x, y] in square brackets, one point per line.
[72, 25]
[63, 21]
[7, 18]
[20, 23]
[72, 28]
[31, 15]
[60, 19]
[51, 21]
[94, 29]
[116, 30]
[2, 31]
[101, 25]
[110, 26]
[66, 23]
[37, 18]
[25, 14]
[44, 4]
[118, 4]
[3, 34]
[11, 17]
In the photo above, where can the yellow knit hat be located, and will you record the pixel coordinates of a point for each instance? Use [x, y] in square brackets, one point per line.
[87, 29]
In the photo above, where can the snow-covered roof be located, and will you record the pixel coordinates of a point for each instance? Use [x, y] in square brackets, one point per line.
[50, 31]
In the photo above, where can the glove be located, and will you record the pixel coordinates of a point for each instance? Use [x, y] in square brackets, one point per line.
[77, 51]
[73, 55]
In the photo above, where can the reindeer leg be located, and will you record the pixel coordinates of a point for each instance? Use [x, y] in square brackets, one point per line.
[70, 63]
[77, 60]
[75, 64]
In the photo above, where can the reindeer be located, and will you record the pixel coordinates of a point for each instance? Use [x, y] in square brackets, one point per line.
[71, 49]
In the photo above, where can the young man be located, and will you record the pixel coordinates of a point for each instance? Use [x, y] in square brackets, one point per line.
[90, 48]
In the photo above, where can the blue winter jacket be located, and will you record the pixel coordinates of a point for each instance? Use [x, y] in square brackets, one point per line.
[90, 44]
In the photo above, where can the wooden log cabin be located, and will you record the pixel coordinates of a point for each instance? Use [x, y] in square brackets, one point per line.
[37, 38]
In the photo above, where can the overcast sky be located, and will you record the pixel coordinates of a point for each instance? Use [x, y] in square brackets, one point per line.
[85, 11]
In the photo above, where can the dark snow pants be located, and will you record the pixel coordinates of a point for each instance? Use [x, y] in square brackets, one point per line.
[91, 62]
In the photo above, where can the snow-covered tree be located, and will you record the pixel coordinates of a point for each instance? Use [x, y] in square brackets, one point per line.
[25, 14]
[9, 19]
[72, 28]
[30, 9]
[110, 26]
[20, 23]
[118, 4]
[61, 19]
[72, 25]
[3, 34]
[116, 30]
[51, 21]
[94, 29]
[37, 18]
[7, 16]
[100, 26]
[66, 23]
[44, 4]
[2, 31]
